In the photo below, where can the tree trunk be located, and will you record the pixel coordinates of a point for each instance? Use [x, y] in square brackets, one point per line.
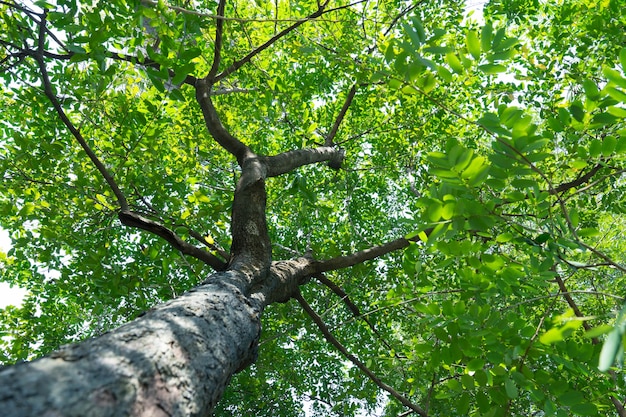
[174, 360]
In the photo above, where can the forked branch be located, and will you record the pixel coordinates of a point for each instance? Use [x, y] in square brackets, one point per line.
[239, 63]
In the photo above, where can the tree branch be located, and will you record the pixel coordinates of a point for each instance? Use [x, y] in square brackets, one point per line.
[359, 257]
[217, 48]
[288, 161]
[401, 15]
[344, 109]
[238, 64]
[133, 219]
[351, 306]
[214, 125]
[333, 341]
[619, 407]
[575, 183]
[48, 90]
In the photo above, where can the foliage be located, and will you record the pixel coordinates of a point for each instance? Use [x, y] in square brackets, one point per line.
[496, 145]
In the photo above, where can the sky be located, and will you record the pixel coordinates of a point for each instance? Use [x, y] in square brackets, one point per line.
[8, 295]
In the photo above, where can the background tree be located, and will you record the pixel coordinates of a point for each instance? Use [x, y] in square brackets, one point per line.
[450, 188]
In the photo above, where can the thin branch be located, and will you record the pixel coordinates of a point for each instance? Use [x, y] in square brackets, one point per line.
[333, 132]
[217, 47]
[39, 57]
[132, 219]
[559, 294]
[182, 10]
[189, 79]
[619, 407]
[401, 303]
[401, 15]
[238, 64]
[575, 183]
[351, 306]
[333, 341]
[359, 257]
[593, 183]
[18, 7]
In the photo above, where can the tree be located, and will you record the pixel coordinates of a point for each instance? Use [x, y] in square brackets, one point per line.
[442, 197]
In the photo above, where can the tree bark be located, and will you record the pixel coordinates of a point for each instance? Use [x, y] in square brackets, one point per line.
[175, 360]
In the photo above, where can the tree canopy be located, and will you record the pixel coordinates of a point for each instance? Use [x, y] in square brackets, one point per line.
[459, 187]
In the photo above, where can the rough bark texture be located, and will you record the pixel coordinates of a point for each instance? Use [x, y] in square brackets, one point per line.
[175, 360]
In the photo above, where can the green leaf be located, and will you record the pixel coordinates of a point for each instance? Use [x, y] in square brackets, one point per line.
[419, 28]
[608, 145]
[444, 73]
[605, 119]
[511, 389]
[473, 43]
[188, 54]
[454, 63]
[475, 365]
[438, 50]
[614, 76]
[551, 336]
[486, 37]
[595, 148]
[577, 111]
[414, 36]
[615, 113]
[598, 331]
[591, 90]
[428, 82]
[610, 350]
[616, 93]
[492, 68]
[584, 409]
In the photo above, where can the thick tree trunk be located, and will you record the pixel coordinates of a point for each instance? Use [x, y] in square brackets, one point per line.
[175, 360]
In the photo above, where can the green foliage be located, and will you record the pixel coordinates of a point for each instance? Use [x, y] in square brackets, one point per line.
[497, 147]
